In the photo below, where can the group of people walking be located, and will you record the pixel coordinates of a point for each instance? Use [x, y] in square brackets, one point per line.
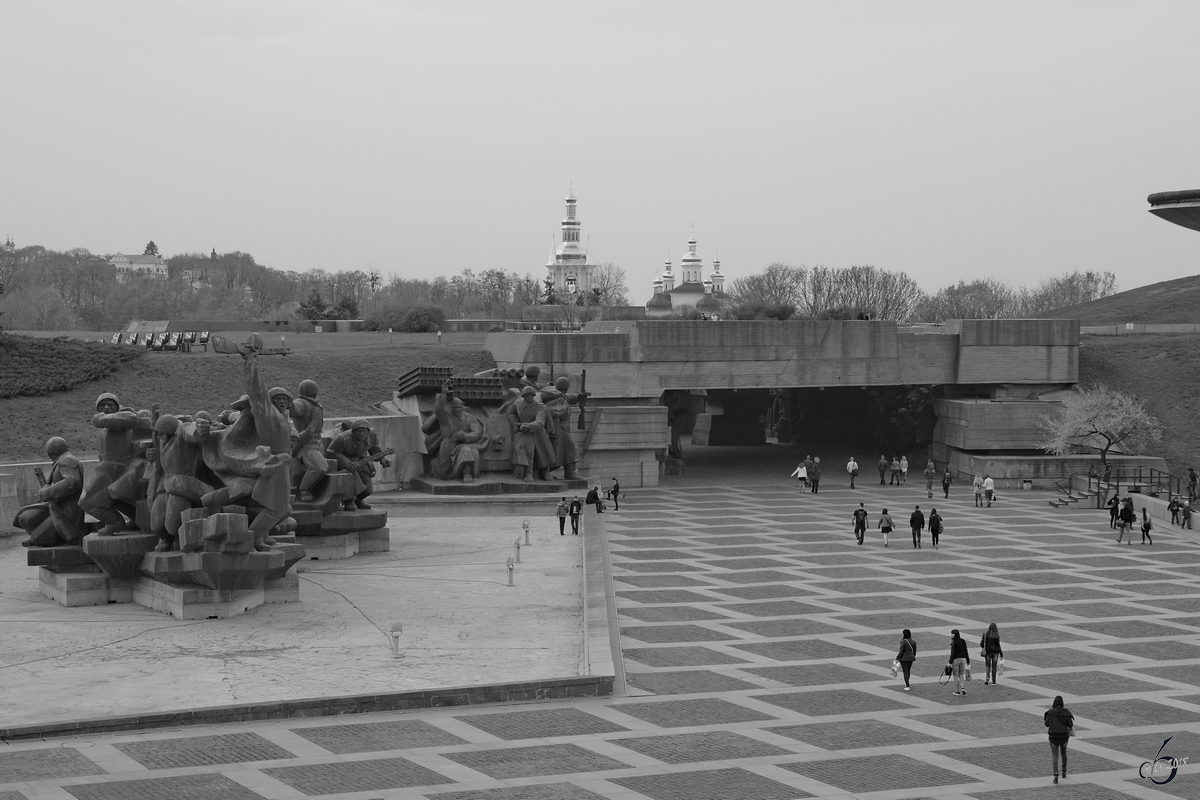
[958, 666]
[809, 474]
[916, 521]
[1122, 517]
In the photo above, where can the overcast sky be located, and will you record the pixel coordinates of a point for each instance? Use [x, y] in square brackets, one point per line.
[947, 140]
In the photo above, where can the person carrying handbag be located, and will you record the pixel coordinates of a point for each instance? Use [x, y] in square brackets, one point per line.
[906, 657]
[1061, 723]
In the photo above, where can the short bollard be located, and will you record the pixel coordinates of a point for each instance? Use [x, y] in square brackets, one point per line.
[395, 632]
[525, 525]
[517, 544]
[511, 568]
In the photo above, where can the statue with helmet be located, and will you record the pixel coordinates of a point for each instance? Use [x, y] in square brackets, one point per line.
[356, 450]
[56, 519]
[308, 453]
[176, 463]
[533, 454]
[113, 489]
[558, 401]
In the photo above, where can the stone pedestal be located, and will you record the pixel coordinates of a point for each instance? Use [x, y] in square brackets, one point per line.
[330, 548]
[82, 586]
[282, 590]
[119, 556]
[376, 540]
[67, 555]
[346, 534]
[196, 602]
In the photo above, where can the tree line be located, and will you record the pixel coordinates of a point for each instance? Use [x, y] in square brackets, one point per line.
[43, 289]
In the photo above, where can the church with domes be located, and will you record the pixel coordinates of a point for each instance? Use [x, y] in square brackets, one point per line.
[570, 272]
[693, 290]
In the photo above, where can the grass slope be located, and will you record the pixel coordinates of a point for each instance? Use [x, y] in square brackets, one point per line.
[1170, 302]
[353, 371]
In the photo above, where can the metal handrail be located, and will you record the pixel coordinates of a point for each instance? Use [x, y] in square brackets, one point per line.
[1109, 484]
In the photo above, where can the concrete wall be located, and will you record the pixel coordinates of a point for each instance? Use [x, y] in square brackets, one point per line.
[624, 445]
[1131, 328]
[1043, 470]
[991, 424]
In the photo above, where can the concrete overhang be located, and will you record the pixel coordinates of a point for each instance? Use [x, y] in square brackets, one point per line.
[1181, 208]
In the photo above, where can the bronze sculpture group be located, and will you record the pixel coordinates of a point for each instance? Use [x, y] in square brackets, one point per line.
[251, 456]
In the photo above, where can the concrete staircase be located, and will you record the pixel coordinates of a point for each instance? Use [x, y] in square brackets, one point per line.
[1072, 498]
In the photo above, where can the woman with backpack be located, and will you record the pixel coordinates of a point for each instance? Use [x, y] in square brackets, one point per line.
[1061, 723]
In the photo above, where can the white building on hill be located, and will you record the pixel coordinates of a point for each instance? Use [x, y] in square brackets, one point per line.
[693, 290]
[569, 271]
[138, 265]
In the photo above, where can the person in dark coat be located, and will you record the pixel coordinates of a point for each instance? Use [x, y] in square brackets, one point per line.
[907, 655]
[1061, 723]
[992, 653]
[593, 499]
[917, 522]
[1114, 508]
[1125, 520]
[935, 526]
[575, 509]
[947, 479]
[959, 659]
[1146, 526]
[883, 468]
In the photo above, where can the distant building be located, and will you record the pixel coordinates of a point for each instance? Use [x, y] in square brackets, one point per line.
[8, 246]
[152, 266]
[569, 271]
[693, 289]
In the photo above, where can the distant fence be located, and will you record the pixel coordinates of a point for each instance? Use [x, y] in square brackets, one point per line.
[1133, 327]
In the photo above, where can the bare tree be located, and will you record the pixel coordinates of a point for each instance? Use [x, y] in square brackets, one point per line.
[608, 285]
[1098, 420]
[1070, 289]
[778, 284]
[981, 299]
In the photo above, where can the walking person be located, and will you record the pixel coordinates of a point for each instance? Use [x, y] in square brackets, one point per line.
[947, 479]
[1185, 516]
[1114, 508]
[614, 493]
[1145, 528]
[992, 653]
[960, 660]
[935, 526]
[917, 521]
[930, 475]
[1125, 520]
[852, 468]
[1061, 723]
[883, 468]
[576, 509]
[814, 475]
[903, 470]
[977, 485]
[885, 525]
[907, 655]
[989, 489]
[860, 523]
[894, 469]
[801, 474]
[564, 508]
[1174, 507]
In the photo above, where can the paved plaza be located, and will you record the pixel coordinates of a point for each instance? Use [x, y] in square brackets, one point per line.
[757, 638]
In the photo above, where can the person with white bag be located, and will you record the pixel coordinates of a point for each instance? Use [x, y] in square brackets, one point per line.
[905, 658]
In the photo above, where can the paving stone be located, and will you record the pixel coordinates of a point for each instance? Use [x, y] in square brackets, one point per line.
[686, 682]
[370, 737]
[679, 656]
[994, 554]
[669, 613]
[646, 567]
[721, 530]
[545, 723]
[201, 751]
[1135, 713]
[665, 596]
[1004, 614]
[995, 723]
[828, 703]
[1100, 610]
[1147, 746]
[40, 765]
[187, 787]
[878, 773]
[814, 674]
[657, 581]
[780, 608]
[869, 602]
[1129, 629]
[778, 628]
[713, 784]
[740, 552]
[1067, 790]
[629, 522]
[798, 650]
[1183, 673]
[1029, 760]
[768, 576]
[863, 587]
[357, 776]
[688, 748]
[1097, 562]
[726, 541]
[959, 582]
[1161, 589]
[853, 734]
[1070, 593]
[686, 713]
[528, 762]
[541, 791]
[746, 563]
[1124, 576]
[1157, 651]
[897, 621]
[765, 591]
[1036, 634]
[661, 634]
[937, 568]
[620, 545]
[849, 573]
[12, 796]
[1052, 657]
[1189, 605]
[651, 555]
[930, 687]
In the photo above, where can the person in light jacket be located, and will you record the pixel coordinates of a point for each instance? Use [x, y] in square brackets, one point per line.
[959, 659]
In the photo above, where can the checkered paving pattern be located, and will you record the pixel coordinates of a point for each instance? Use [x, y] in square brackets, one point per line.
[757, 638]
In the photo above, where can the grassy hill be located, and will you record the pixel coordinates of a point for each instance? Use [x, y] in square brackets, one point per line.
[353, 371]
[1170, 302]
